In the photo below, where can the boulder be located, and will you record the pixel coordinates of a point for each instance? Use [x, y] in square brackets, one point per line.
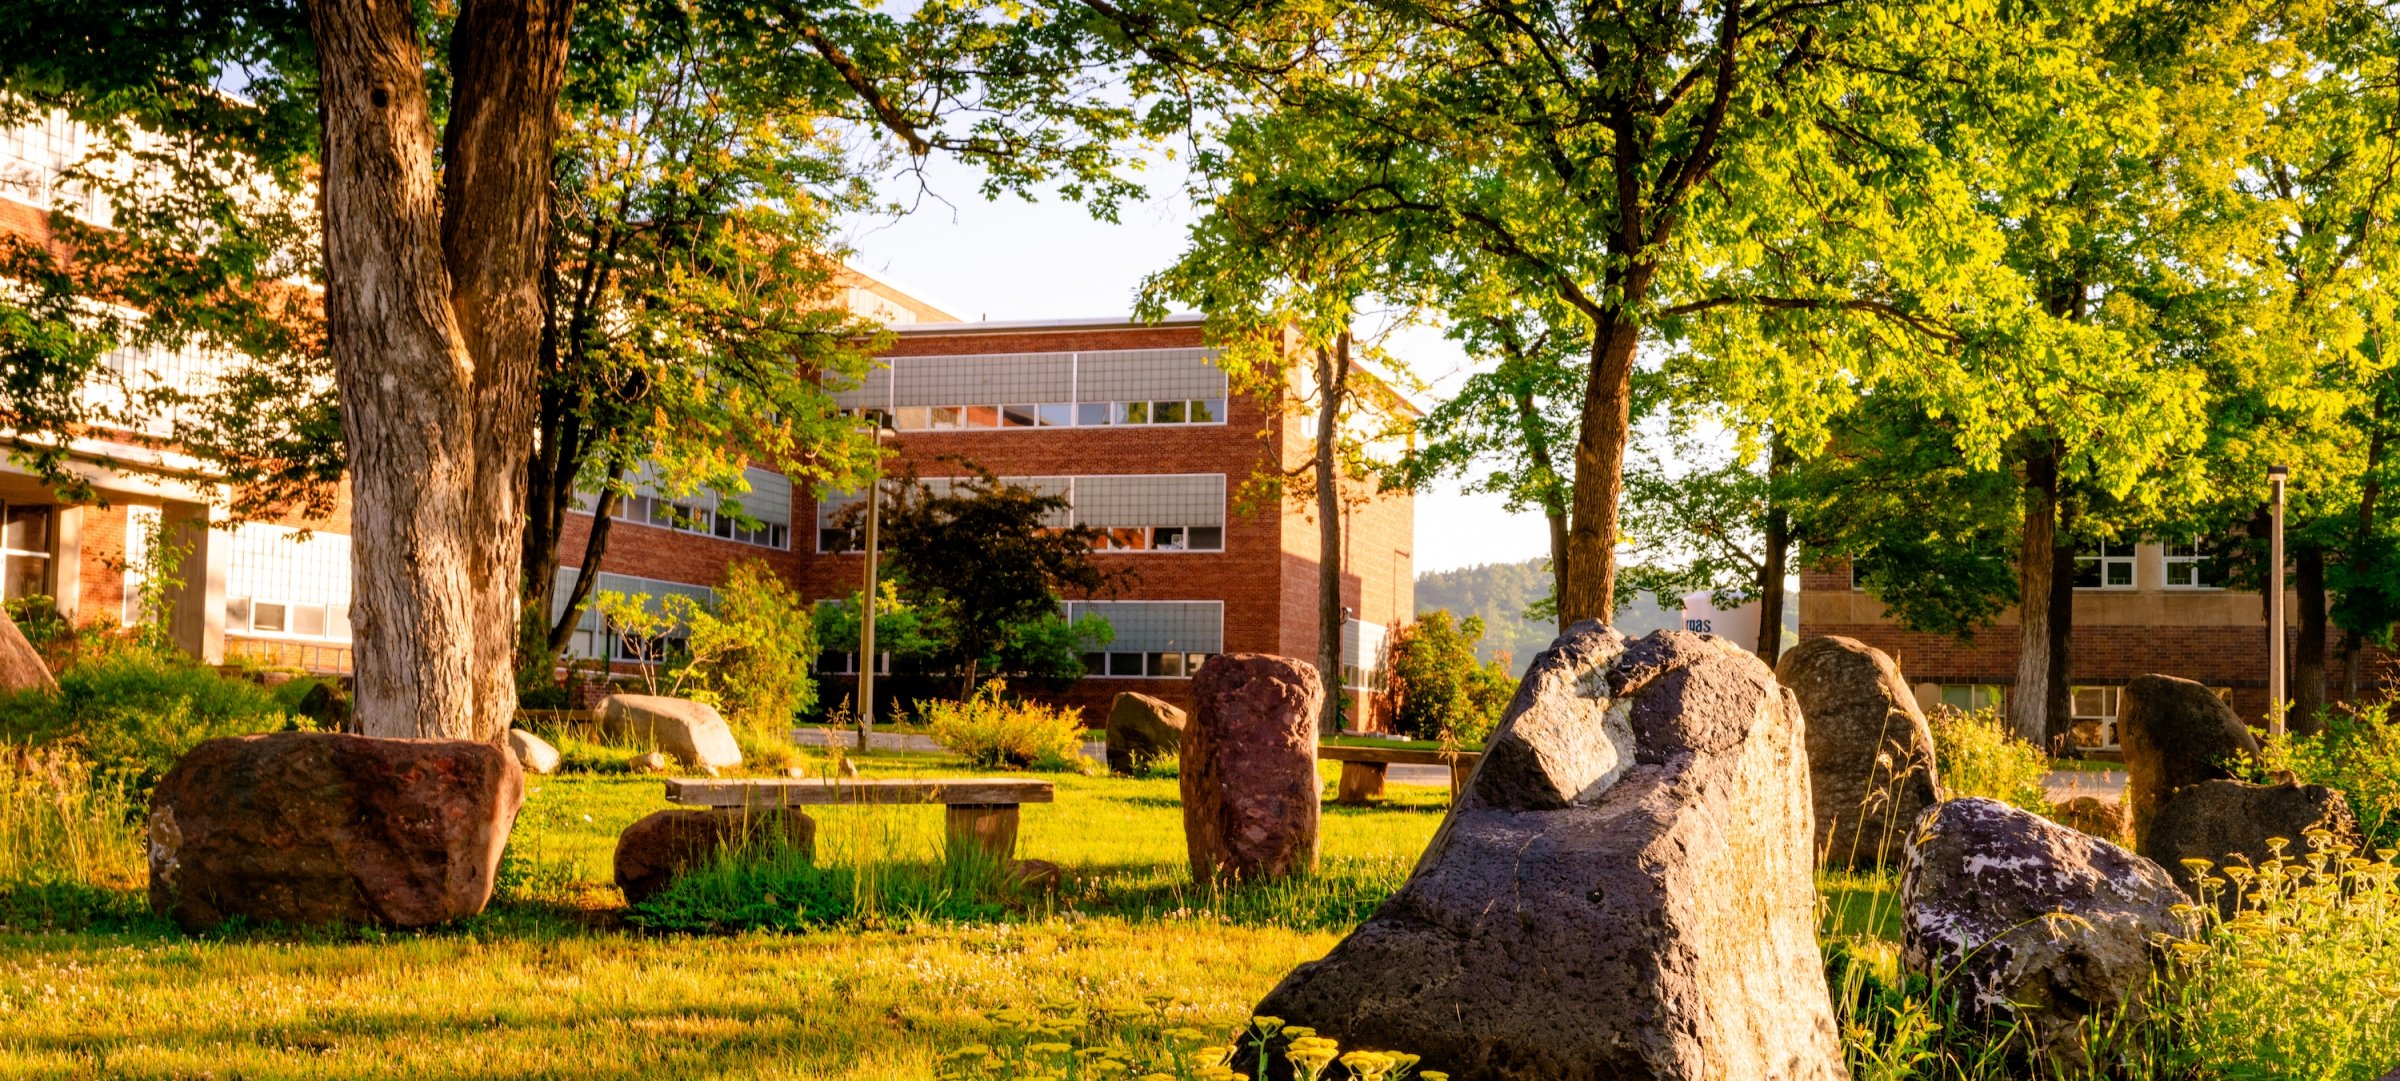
[690, 732]
[2029, 918]
[1870, 752]
[21, 667]
[533, 752]
[646, 762]
[2235, 822]
[2102, 818]
[2174, 732]
[1249, 768]
[651, 852]
[1622, 890]
[1142, 729]
[315, 828]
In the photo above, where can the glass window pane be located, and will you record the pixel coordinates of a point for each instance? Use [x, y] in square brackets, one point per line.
[947, 416]
[237, 613]
[910, 418]
[2120, 573]
[983, 416]
[308, 619]
[1205, 538]
[1208, 410]
[1166, 412]
[266, 616]
[1016, 416]
[28, 528]
[1092, 413]
[2087, 573]
[1192, 663]
[1169, 665]
[1133, 413]
[1167, 538]
[1055, 415]
[1095, 664]
[27, 576]
[1129, 539]
[1124, 664]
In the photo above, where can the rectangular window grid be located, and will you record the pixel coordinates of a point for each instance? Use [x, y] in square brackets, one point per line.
[2195, 565]
[1043, 390]
[1154, 639]
[1971, 697]
[592, 635]
[282, 585]
[1363, 656]
[1141, 512]
[2094, 714]
[2104, 565]
[767, 505]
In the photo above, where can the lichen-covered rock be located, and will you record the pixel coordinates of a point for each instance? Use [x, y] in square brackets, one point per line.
[690, 732]
[312, 828]
[1249, 768]
[2029, 918]
[2174, 733]
[1623, 890]
[651, 852]
[1870, 752]
[2227, 822]
[1142, 729]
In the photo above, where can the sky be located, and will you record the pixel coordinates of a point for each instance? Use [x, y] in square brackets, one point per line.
[1012, 260]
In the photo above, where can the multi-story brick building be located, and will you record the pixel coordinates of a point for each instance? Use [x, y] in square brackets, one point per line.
[2139, 609]
[1134, 424]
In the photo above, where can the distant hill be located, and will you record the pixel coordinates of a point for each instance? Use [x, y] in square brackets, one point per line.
[1500, 593]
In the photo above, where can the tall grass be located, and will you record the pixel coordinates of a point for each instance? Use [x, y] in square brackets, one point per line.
[60, 824]
[1977, 754]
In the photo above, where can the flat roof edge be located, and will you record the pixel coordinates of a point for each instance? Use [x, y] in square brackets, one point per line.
[1102, 322]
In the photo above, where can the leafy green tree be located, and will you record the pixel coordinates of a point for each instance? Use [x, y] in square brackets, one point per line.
[1439, 689]
[747, 650]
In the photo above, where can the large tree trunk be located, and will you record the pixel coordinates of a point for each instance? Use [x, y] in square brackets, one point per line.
[1333, 381]
[1600, 474]
[1778, 537]
[2060, 707]
[2029, 700]
[1537, 451]
[432, 315]
[2308, 655]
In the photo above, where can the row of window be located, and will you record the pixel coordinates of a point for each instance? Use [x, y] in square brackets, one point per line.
[923, 418]
[2092, 711]
[1151, 665]
[2109, 565]
[687, 518]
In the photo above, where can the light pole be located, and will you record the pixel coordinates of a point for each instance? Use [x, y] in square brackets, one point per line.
[866, 595]
[2275, 476]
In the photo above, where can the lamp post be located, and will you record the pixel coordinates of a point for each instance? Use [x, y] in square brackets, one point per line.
[866, 594]
[2276, 476]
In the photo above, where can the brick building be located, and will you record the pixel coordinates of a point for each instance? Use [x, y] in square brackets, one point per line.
[2139, 609]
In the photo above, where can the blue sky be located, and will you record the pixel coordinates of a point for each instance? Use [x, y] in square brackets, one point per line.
[1011, 259]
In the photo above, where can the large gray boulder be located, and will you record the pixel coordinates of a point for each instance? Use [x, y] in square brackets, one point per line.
[1623, 890]
[1141, 730]
[689, 732]
[2174, 733]
[2226, 822]
[1870, 752]
[2030, 919]
[1249, 768]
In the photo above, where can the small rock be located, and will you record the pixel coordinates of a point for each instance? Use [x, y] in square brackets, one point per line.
[1249, 776]
[2175, 732]
[2102, 818]
[651, 852]
[795, 771]
[1142, 729]
[533, 752]
[693, 732]
[313, 828]
[1870, 752]
[2227, 822]
[647, 762]
[2032, 919]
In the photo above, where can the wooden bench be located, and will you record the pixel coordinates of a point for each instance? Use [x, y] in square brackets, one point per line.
[1363, 768]
[982, 811]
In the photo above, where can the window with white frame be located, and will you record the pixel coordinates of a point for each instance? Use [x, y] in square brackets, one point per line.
[1970, 697]
[2093, 712]
[25, 541]
[2104, 565]
[595, 638]
[761, 516]
[285, 584]
[1181, 512]
[1043, 390]
[1154, 639]
[2195, 564]
[1362, 655]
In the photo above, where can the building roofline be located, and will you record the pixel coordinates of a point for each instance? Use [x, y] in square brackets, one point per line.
[1098, 322]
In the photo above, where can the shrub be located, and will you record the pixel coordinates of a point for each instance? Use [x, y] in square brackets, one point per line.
[746, 652]
[2357, 754]
[1439, 690]
[993, 732]
[1976, 754]
[134, 710]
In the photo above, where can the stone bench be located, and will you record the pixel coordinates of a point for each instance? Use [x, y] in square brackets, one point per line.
[1363, 768]
[982, 810]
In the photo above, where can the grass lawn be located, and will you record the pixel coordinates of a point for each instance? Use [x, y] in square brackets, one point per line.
[549, 982]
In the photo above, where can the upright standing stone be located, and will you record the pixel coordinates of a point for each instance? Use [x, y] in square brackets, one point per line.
[1142, 730]
[2174, 732]
[321, 827]
[1870, 752]
[1623, 891]
[2031, 920]
[1249, 768]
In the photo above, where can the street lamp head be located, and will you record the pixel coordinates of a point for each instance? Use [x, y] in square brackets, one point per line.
[2278, 471]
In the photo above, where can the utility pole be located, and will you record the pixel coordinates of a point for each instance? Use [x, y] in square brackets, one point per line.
[866, 596]
[2275, 702]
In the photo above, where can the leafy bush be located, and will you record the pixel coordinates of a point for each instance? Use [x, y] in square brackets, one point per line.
[746, 652]
[1977, 754]
[2358, 755]
[1439, 690]
[993, 732]
[133, 711]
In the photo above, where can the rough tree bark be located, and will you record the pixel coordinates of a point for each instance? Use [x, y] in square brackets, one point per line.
[2029, 700]
[433, 314]
[2060, 707]
[1333, 386]
[1607, 423]
[1778, 538]
[2308, 654]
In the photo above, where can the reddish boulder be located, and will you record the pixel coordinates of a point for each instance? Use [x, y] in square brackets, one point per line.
[1249, 768]
[651, 852]
[314, 828]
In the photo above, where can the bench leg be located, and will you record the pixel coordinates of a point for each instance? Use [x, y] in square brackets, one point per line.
[989, 827]
[1362, 783]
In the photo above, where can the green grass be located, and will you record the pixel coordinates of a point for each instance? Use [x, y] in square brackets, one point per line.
[550, 983]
